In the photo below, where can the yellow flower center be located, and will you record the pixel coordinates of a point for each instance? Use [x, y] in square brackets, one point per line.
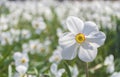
[57, 58]
[23, 60]
[80, 38]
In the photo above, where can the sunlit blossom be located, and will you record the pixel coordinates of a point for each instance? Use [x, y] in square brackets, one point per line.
[55, 71]
[21, 59]
[84, 38]
[109, 62]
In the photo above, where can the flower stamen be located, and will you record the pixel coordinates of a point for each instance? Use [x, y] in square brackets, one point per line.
[23, 60]
[80, 38]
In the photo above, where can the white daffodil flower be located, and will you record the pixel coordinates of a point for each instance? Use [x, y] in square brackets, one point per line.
[56, 56]
[115, 74]
[74, 71]
[21, 59]
[21, 71]
[54, 70]
[83, 37]
[39, 25]
[109, 62]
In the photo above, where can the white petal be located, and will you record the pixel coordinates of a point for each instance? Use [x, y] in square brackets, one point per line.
[87, 52]
[70, 52]
[53, 68]
[115, 74]
[109, 60]
[96, 39]
[17, 55]
[74, 24]
[67, 39]
[21, 69]
[75, 71]
[16, 75]
[89, 27]
[60, 72]
[110, 68]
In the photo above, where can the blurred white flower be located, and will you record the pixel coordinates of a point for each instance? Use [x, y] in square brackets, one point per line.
[74, 71]
[19, 75]
[61, 8]
[15, 34]
[21, 69]
[115, 74]
[109, 62]
[31, 76]
[23, 75]
[21, 59]
[56, 56]
[27, 16]
[5, 38]
[59, 32]
[48, 13]
[39, 25]
[47, 42]
[54, 70]
[34, 46]
[83, 37]
[3, 23]
[13, 18]
[25, 34]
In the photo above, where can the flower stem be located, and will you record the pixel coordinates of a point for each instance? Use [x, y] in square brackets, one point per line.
[67, 69]
[86, 69]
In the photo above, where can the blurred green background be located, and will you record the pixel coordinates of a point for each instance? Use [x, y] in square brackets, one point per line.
[17, 28]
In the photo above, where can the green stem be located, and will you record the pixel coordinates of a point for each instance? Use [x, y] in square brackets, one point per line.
[86, 69]
[67, 69]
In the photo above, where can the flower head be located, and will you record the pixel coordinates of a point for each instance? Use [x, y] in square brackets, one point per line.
[74, 71]
[109, 62]
[56, 56]
[21, 59]
[21, 69]
[54, 70]
[115, 74]
[83, 38]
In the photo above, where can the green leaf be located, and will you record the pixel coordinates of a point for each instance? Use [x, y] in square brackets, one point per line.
[67, 69]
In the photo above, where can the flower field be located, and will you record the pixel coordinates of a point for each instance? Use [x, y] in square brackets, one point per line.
[57, 39]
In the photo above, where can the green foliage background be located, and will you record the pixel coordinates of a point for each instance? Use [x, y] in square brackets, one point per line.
[39, 63]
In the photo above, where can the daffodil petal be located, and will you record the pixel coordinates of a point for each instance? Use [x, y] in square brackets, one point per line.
[17, 56]
[67, 39]
[53, 68]
[60, 72]
[87, 52]
[111, 68]
[74, 24]
[90, 27]
[97, 39]
[21, 69]
[70, 52]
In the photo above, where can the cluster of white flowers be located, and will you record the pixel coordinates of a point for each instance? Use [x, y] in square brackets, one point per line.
[21, 63]
[26, 24]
